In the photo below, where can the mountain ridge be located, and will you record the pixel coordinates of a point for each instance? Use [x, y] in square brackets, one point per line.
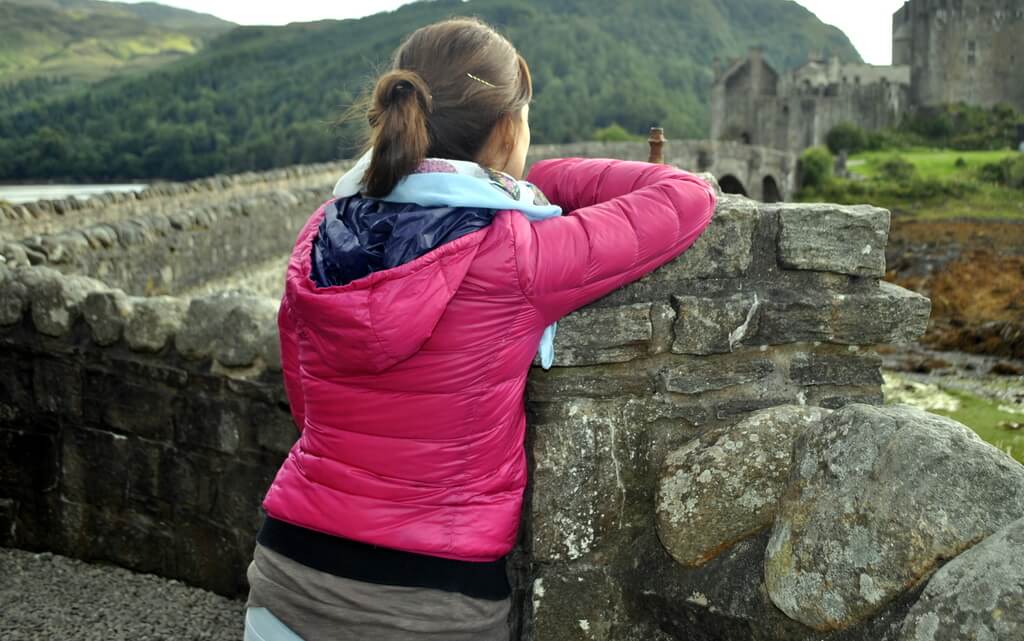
[90, 39]
[260, 97]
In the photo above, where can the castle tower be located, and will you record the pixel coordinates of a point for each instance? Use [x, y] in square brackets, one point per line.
[737, 100]
[962, 50]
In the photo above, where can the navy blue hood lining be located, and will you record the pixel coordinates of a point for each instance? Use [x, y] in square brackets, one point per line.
[359, 236]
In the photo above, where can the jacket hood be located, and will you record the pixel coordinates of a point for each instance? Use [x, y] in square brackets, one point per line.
[369, 280]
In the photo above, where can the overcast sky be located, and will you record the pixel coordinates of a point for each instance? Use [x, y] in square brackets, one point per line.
[868, 23]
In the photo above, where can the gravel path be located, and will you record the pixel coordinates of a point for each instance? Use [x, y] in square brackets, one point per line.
[47, 597]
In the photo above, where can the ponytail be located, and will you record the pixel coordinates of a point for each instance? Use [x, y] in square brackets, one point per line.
[398, 129]
[451, 83]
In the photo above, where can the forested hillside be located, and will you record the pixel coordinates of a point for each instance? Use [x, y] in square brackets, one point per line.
[88, 39]
[259, 97]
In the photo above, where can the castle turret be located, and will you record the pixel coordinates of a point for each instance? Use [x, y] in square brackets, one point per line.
[901, 35]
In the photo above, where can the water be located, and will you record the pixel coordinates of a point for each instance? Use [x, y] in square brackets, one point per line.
[17, 194]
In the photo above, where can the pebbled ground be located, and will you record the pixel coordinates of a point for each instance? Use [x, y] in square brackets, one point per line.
[47, 597]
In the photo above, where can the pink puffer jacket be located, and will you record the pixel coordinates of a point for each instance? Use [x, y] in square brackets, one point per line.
[407, 385]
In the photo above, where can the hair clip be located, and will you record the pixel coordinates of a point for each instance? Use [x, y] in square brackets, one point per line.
[481, 80]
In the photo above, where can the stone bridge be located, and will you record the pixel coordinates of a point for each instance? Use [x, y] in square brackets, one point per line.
[762, 173]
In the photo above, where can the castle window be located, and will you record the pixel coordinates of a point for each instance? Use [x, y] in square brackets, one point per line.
[971, 48]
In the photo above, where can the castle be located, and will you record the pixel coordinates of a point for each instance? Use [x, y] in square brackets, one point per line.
[944, 51]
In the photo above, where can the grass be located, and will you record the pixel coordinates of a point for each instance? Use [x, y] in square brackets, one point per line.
[989, 419]
[990, 202]
[930, 163]
[938, 189]
[989, 422]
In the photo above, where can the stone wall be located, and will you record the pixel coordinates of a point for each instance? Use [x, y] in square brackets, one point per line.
[172, 237]
[963, 50]
[140, 431]
[145, 430]
[774, 305]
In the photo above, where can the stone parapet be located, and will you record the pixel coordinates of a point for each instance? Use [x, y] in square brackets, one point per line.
[144, 430]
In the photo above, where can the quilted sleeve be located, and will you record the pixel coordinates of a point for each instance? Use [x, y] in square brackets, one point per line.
[287, 332]
[626, 219]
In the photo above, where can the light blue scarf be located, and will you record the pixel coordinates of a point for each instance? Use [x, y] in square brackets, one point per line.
[439, 182]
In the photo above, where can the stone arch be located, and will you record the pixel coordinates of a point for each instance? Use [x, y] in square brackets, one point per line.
[770, 192]
[732, 185]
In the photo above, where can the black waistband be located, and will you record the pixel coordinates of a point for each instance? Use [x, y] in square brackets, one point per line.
[374, 564]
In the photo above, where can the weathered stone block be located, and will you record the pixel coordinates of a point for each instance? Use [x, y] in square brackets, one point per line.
[276, 431]
[641, 334]
[977, 595]
[575, 603]
[724, 486]
[889, 314]
[790, 316]
[29, 463]
[100, 236]
[213, 423]
[270, 349]
[15, 255]
[247, 325]
[723, 250]
[210, 555]
[696, 375]
[189, 479]
[834, 397]
[107, 313]
[57, 387]
[595, 465]
[565, 500]
[885, 314]
[204, 326]
[838, 238]
[95, 467]
[860, 519]
[56, 298]
[761, 399]
[129, 405]
[836, 368]
[14, 297]
[239, 489]
[714, 325]
[559, 383]
[17, 398]
[154, 322]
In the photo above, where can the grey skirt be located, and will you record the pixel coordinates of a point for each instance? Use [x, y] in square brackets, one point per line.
[319, 606]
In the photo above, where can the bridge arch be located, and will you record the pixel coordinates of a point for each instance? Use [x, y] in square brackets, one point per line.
[770, 192]
[732, 185]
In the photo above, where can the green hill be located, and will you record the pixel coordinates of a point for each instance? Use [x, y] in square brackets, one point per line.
[259, 97]
[89, 39]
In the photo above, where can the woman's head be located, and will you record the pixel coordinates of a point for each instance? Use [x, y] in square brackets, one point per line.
[457, 89]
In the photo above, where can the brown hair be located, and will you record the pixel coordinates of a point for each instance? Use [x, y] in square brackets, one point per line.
[451, 83]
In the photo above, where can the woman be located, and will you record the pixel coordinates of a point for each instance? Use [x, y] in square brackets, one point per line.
[415, 301]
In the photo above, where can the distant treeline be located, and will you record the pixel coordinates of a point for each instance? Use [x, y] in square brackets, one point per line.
[958, 126]
[262, 97]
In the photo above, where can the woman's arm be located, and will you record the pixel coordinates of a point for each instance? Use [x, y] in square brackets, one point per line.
[626, 219]
[287, 331]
